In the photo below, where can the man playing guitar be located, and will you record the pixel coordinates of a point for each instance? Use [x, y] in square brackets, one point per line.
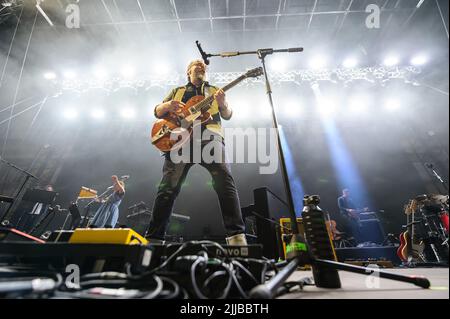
[174, 173]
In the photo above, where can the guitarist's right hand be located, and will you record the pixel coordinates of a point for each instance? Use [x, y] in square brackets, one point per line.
[170, 106]
[174, 105]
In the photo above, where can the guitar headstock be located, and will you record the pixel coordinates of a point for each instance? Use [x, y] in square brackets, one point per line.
[253, 73]
[411, 207]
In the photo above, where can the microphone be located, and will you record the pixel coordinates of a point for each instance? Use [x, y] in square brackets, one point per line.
[292, 50]
[204, 55]
[429, 165]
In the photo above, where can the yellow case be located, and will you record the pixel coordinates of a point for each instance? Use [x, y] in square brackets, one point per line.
[123, 236]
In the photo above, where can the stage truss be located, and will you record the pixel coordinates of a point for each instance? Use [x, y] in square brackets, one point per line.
[374, 75]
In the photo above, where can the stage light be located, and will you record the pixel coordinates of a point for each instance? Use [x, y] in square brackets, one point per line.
[98, 114]
[318, 62]
[100, 73]
[326, 106]
[419, 60]
[242, 111]
[161, 68]
[127, 71]
[391, 61]
[127, 113]
[358, 104]
[266, 111]
[49, 76]
[69, 74]
[292, 109]
[392, 105]
[70, 114]
[350, 63]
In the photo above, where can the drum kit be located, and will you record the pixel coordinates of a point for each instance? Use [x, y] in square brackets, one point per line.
[431, 220]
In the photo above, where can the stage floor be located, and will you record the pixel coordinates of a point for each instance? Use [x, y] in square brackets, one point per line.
[354, 286]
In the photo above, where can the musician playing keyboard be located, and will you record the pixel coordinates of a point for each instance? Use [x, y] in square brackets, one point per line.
[350, 215]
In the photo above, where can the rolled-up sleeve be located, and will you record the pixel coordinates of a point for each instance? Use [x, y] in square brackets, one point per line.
[168, 98]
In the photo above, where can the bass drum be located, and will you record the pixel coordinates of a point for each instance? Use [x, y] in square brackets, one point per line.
[445, 220]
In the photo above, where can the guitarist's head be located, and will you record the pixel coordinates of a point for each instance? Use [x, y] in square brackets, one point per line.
[346, 192]
[196, 72]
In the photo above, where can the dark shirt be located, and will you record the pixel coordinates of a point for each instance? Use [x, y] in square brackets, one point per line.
[345, 203]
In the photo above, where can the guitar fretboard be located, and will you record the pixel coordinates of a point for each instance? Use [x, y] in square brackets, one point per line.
[203, 105]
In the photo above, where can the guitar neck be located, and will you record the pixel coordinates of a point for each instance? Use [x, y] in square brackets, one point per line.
[203, 105]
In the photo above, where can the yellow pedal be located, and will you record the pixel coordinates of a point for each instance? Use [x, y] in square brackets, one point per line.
[123, 236]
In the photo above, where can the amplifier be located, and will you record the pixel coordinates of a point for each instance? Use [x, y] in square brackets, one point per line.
[90, 258]
[372, 231]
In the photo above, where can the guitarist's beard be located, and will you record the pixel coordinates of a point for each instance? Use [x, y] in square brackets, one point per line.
[200, 77]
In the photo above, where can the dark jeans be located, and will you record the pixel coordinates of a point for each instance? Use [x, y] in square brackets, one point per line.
[174, 175]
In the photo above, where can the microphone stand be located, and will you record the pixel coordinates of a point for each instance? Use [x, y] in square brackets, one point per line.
[261, 54]
[4, 220]
[298, 250]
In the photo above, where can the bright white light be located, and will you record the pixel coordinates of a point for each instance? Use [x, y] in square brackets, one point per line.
[242, 111]
[100, 73]
[391, 61]
[350, 63]
[70, 114]
[318, 62]
[49, 76]
[98, 114]
[69, 74]
[127, 71]
[326, 106]
[358, 104]
[392, 105]
[127, 113]
[419, 60]
[162, 68]
[278, 64]
[292, 109]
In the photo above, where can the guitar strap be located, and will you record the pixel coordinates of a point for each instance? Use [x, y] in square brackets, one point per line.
[179, 94]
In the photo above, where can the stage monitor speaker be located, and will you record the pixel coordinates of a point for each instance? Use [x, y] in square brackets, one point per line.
[14, 235]
[372, 231]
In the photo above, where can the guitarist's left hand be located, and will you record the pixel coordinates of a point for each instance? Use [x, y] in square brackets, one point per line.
[219, 96]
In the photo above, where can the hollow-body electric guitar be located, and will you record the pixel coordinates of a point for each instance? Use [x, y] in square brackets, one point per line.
[411, 247]
[169, 132]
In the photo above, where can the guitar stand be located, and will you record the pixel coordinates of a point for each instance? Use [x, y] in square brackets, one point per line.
[301, 253]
